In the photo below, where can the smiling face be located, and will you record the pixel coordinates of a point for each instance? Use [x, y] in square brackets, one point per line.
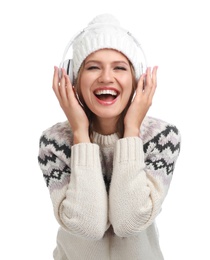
[106, 83]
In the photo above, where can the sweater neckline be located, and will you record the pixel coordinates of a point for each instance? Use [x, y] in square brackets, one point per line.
[105, 140]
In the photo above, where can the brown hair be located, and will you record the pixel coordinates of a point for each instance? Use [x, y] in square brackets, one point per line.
[91, 115]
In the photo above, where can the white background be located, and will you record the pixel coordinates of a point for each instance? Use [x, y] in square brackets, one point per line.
[174, 36]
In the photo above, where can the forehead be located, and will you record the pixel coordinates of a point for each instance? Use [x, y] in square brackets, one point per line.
[107, 55]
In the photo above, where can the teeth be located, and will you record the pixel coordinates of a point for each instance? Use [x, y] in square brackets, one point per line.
[106, 91]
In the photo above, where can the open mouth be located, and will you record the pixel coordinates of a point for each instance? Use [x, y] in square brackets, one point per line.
[106, 94]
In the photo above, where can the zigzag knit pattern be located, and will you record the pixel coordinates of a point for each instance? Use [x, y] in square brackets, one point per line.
[160, 147]
[56, 173]
[107, 194]
[58, 140]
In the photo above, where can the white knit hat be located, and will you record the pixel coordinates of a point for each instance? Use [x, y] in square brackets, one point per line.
[104, 31]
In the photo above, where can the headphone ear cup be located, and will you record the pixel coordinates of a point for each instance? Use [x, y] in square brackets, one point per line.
[68, 66]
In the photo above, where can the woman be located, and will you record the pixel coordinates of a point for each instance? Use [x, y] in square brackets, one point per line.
[109, 166]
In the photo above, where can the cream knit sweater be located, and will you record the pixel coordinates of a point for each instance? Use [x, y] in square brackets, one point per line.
[107, 194]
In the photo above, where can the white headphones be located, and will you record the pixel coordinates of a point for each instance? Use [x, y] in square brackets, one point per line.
[67, 64]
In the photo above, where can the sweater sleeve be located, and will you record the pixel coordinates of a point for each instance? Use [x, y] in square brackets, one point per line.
[140, 180]
[76, 186]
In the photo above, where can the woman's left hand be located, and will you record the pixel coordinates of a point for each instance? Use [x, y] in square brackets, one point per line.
[141, 103]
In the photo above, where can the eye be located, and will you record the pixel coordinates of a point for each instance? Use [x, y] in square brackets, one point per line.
[120, 68]
[92, 68]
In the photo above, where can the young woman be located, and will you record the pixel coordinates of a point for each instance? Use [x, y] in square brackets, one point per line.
[109, 166]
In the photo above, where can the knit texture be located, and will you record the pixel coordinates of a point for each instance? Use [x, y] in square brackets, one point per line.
[107, 194]
[104, 31]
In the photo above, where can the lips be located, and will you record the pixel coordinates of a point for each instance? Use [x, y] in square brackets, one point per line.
[106, 96]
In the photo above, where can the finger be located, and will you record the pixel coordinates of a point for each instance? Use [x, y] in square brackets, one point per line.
[154, 75]
[55, 77]
[140, 85]
[148, 81]
[154, 81]
[69, 88]
[68, 82]
[62, 87]
[55, 83]
[72, 93]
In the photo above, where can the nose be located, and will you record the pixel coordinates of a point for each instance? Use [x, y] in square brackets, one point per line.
[106, 76]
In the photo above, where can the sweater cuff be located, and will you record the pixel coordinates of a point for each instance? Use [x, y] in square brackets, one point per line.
[85, 154]
[129, 149]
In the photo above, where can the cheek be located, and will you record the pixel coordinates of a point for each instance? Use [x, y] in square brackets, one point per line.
[126, 80]
[129, 91]
[83, 86]
[128, 86]
[86, 83]
[85, 93]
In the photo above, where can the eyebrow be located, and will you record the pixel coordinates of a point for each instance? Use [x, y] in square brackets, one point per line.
[97, 61]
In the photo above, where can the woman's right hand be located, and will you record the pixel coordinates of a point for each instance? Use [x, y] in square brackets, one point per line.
[141, 103]
[74, 112]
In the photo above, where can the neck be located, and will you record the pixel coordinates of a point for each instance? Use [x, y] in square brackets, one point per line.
[105, 126]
